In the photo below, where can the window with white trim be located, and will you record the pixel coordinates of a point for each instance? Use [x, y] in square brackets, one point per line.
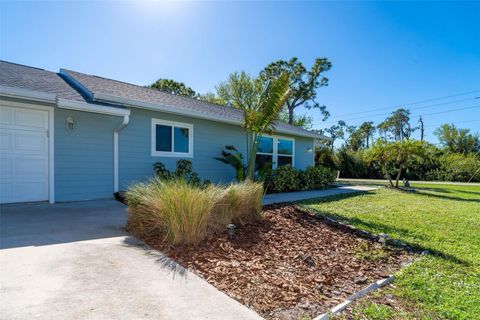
[172, 139]
[275, 152]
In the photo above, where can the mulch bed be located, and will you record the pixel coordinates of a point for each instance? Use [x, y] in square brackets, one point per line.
[290, 264]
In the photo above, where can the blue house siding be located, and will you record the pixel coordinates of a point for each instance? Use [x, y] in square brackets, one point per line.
[84, 156]
[209, 139]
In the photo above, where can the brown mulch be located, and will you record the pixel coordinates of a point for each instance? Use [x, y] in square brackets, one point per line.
[289, 264]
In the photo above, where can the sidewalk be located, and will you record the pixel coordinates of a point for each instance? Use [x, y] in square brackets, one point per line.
[304, 195]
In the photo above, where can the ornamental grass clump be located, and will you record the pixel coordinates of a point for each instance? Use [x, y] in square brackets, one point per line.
[244, 201]
[174, 209]
[182, 213]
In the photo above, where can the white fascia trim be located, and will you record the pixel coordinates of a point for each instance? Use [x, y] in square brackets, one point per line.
[87, 107]
[26, 94]
[168, 109]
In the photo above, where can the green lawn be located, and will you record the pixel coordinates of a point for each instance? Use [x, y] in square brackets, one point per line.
[443, 219]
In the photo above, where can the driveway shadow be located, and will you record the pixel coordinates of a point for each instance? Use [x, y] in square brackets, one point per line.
[39, 224]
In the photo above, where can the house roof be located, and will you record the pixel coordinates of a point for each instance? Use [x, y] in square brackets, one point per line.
[99, 86]
[72, 85]
[29, 78]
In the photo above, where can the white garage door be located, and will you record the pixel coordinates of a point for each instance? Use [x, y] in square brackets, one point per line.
[24, 155]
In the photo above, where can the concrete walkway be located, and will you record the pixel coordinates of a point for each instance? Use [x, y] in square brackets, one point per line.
[73, 261]
[385, 182]
[304, 195]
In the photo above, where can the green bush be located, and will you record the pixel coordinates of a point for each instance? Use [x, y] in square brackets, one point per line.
[182, 213]
[283, 179]
[456, 167]
[286, 179]
[316, 178]
[182, 171]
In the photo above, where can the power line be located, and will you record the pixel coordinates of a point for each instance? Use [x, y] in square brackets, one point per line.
[440, 112]
[447, 111]
[417, 108]
[410, 103]
[454, 122]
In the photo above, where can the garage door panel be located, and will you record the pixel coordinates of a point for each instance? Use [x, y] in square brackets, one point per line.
[6, 141]
[6, 116]
[31, 168]
[31, 119]
[6, 167]
[24, 161]
[31, 142]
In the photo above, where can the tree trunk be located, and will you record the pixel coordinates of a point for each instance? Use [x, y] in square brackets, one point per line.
[388, 177]
[399, 174]
[290, 115]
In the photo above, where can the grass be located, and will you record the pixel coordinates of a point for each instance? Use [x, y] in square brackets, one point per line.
[184, 214]
[443, 219]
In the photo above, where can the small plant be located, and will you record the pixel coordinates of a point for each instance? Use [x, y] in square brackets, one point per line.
[183, 171]
[364, 253]
[234, 158]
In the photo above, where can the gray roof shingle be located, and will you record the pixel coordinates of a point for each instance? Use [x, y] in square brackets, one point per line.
[99, 85]
[29, 78]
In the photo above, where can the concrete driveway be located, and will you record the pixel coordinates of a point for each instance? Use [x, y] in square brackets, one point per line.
[73, 261]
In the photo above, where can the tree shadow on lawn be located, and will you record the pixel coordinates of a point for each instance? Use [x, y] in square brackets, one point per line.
[383, 228]
[439, 196]
[442, 190]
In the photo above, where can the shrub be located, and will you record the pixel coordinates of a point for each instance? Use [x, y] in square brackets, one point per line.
[316, 178]
[456, 167]
[183, 213]
[286, 178]
[182, 171]
[283, 179]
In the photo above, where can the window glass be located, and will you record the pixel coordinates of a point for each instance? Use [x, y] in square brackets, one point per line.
[265, 145]
[180, 139]
[284, 161]
[285, 146]
[163, 138]
[263, 161]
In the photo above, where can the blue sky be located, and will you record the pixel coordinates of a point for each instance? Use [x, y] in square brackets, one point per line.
[384, 54]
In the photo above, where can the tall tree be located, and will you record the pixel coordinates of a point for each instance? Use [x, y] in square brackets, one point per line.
[261, 103]
[367, 129]
[422, 128]
[336, 131]
[173, 87]
[457, 140]
[303, 83]
[211, 97]
[398, 124]
[240, 90]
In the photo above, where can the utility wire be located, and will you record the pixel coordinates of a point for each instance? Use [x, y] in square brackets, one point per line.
[410, 103]
[386, 114]
[447, 111]
[455, 122]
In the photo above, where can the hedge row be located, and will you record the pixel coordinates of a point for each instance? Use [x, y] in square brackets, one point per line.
[286, 178]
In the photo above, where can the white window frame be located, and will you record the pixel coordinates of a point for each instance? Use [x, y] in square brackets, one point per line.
[275, 150]
[172, 153]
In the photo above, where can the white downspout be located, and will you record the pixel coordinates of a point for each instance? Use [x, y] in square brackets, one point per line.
[126, 119]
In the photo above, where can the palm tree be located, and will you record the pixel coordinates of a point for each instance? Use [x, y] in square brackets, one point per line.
[234, 158]
[259, 118]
